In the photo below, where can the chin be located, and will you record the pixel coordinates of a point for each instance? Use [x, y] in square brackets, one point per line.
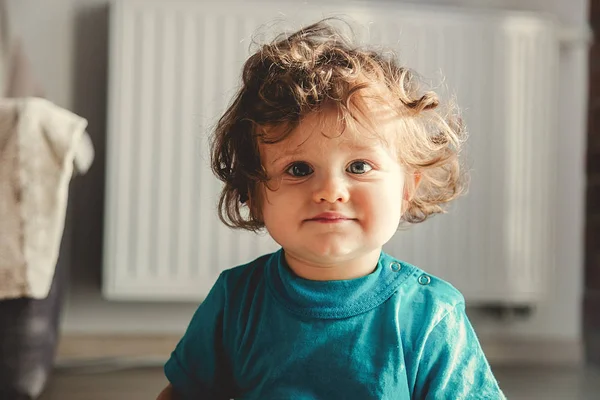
[331, 251]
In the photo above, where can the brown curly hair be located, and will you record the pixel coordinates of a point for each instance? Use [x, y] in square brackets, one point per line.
[301, 73]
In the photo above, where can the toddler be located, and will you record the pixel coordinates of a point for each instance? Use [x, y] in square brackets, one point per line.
[330, 148]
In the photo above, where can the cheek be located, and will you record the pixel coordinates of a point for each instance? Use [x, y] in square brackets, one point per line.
[278, 204]
[278, 209]
[383, 203]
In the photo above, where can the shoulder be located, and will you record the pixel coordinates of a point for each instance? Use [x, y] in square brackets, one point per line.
[236, 279]
[426, 295]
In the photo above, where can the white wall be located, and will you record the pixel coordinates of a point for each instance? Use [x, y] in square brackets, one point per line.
[66, 41]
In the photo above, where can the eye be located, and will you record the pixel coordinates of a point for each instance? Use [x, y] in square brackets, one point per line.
[359, 167]
[299, 169]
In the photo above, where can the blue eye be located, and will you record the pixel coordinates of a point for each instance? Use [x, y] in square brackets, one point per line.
[299, 170]
[359, 167]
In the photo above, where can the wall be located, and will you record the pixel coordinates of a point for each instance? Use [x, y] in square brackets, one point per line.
[592, 254]
[66, 41]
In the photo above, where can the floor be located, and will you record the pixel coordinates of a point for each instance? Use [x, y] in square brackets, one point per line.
[146, 383]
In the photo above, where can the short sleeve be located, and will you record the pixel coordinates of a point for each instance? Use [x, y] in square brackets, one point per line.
[452, 364]
[199, 367]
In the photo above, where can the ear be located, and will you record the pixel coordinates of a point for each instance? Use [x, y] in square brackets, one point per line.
[418, 177]
[411, 187]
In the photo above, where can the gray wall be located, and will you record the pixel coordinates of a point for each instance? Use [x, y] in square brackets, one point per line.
[66, 41]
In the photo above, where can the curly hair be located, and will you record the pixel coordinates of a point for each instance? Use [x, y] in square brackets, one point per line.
[301, 73]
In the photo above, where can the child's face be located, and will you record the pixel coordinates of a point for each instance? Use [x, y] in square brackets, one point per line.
[332, 198]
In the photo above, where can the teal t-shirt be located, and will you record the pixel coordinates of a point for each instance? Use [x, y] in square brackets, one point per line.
[265, 333]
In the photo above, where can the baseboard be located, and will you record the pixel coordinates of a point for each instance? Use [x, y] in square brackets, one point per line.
[157, 349]
[73, 347]
[533, 352]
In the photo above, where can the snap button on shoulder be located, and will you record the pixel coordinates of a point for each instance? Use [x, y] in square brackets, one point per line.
[395, 266]
[424, 280]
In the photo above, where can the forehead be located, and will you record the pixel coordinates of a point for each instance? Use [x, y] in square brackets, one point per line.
[373, 127]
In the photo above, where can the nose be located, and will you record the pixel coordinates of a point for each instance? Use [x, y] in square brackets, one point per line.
[331, 189]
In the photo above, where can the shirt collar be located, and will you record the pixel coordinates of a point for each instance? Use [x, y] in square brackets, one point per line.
[334, 299]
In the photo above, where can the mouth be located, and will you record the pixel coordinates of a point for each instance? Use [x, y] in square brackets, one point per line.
[330, 218]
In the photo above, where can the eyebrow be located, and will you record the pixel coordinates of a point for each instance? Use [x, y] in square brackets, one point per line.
[287, 154]
[364, 147]
[359, 148]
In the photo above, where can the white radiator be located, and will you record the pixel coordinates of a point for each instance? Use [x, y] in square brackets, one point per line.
[175, 65]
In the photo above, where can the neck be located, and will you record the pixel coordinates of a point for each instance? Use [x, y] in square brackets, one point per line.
[343, 269]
